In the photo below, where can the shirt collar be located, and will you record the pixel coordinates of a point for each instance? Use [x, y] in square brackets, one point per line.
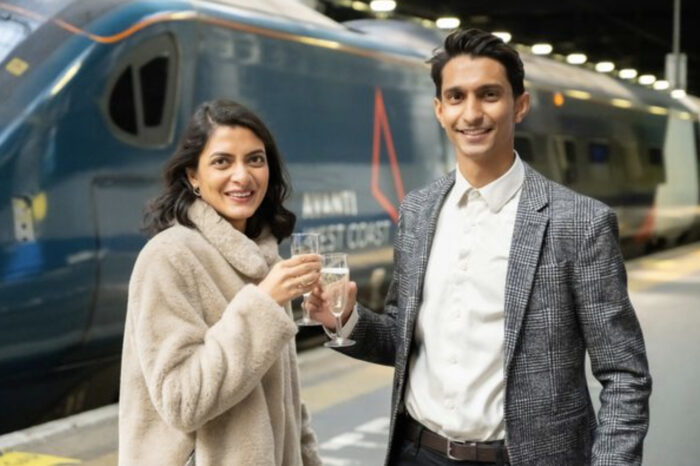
[497, 192]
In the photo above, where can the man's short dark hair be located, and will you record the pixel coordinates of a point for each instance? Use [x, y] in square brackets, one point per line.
[478, 43]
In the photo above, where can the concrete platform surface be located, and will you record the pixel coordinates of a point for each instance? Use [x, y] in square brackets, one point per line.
[349, 400]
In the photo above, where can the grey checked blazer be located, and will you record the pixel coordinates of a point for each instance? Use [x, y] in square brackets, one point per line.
[566, 293]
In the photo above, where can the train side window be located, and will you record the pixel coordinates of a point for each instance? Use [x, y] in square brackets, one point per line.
[524, 147]
[154, 80]
[598, 153]
[140, 99]
[121, 103]
[656, 157]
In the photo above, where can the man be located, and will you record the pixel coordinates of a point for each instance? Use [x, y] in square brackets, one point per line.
[502, 281]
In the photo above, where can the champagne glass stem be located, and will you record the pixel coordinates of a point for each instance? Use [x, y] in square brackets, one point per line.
[306, 320]
[338, 327]
[305, 309]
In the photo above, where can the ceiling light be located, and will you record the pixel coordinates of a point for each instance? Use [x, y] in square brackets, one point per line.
[447, 23]
[542, 49]
[604, 66]
[382, 5]
[661, 85]
[504, 36]
[622, 103]
[359, 6]
[656, 110]
[576, 58]
[678, 93]
[577, 94]
[646, 79]
[628, 73]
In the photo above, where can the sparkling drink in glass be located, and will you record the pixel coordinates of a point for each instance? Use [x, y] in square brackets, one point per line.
[305, 243]
[335, 277]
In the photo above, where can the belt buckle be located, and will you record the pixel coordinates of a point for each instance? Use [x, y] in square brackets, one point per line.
[449, 450]
[450, 444]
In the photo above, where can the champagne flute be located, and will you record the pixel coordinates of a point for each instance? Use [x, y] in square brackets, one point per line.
[335, 277]
[305, 243]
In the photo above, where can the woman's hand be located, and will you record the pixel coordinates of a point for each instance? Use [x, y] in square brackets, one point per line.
[289, 279]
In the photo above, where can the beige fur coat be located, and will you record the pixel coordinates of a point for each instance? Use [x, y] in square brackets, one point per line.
[209, 361]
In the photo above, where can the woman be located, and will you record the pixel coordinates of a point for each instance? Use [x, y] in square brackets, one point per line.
[209, 372]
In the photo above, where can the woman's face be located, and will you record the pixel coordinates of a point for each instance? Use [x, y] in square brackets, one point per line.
[232, 174]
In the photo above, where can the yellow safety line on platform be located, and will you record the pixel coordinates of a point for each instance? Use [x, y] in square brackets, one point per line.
[18, 458]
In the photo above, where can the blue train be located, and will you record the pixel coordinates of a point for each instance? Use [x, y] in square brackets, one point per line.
[93, 97]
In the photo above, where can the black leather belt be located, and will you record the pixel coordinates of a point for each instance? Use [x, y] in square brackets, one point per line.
[481, 452]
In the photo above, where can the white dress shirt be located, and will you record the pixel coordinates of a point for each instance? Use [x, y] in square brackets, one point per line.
[455, 382]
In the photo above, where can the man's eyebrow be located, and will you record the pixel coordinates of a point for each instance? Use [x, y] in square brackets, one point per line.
[452, 89]
[489, 87]
[483, 87]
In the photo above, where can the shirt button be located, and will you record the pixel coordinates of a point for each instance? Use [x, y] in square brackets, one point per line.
[453, 359]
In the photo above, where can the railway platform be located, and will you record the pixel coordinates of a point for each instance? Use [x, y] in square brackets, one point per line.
[349, 400]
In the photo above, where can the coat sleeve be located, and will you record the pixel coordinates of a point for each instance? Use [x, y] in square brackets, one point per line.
[615, 344]
[376, 334]
[309, 445]
[195, 372]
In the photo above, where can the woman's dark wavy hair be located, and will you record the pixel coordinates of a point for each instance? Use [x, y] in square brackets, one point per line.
[178, 196]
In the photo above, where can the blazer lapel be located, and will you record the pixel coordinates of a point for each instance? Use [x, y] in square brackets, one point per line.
[426, 223]
[530, 225]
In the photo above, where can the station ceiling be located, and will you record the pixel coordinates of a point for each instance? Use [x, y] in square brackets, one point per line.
[631, 33]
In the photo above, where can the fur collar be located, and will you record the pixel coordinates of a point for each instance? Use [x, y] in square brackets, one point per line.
[252, 258]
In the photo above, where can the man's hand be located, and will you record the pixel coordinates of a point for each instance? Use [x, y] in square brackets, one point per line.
[319, 307]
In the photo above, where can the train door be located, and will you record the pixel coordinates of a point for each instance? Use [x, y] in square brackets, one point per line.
[597, 178]
[563, 149]
[142, 94]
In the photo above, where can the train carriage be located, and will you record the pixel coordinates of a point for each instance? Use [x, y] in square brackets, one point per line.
[94, 95]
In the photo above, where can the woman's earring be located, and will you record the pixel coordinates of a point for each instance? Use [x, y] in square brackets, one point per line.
[196, 192]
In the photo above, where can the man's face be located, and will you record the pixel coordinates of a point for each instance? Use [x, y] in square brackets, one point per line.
[477, 109]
